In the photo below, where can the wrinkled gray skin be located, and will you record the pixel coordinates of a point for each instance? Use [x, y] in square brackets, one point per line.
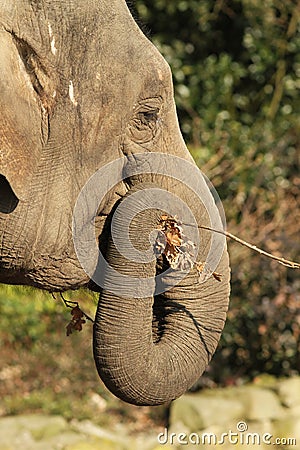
[78, 80]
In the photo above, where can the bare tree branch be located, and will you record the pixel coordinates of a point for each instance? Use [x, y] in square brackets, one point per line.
[71, 304]
[283, 261]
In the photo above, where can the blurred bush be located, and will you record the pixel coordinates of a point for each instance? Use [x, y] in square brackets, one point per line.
[236, 69]
[44, 371]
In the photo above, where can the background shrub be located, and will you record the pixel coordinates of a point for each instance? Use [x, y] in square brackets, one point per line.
[236, 69]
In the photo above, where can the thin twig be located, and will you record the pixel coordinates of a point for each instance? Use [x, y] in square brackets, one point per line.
[71, 304]
[283, 261]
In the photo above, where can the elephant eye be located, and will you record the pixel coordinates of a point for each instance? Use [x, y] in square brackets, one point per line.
[149, 116]
[144, 126]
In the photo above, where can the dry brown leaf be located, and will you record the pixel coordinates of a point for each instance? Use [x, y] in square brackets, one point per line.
[173, 238]
[178, 250]
[174, 245]
[76, 322]
[217, 276]
[205, 272]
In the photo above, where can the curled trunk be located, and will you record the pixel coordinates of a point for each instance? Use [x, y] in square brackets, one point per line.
[150, 350]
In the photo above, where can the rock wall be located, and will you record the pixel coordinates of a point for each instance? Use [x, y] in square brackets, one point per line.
[40, 432]
[262, 415]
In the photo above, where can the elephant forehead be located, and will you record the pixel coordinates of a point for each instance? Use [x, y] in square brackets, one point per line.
[77, 30]
[87, 47]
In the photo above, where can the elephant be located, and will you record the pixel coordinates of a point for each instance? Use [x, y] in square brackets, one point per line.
[82, 87]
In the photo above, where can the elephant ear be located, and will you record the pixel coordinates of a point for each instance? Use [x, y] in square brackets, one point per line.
[151, 344]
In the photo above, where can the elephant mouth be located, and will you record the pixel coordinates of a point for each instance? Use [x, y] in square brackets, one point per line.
[8, 199]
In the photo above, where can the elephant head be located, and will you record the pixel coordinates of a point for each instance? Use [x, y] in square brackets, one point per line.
[84, 92]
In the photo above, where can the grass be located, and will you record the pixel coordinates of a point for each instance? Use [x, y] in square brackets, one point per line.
[44, 371]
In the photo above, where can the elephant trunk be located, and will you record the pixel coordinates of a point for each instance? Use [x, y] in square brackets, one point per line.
[150, 350]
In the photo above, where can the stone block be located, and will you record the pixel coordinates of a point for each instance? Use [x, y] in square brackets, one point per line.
[165, 447]
[45, 427]
[287, 428]
[35, 432]
[289, 391]
[37, 425]
[97, 444]
[259, 404]
[13, 434]
[202, 410]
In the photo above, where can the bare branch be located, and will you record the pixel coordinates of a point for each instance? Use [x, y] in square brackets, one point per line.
[70, 304]
[283, 261]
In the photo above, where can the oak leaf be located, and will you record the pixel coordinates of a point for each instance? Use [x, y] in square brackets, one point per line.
[76, 322]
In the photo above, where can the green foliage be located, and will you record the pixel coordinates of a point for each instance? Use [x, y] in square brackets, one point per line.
[23, 322]
[43, 370]
[233, 63]
[236, 70]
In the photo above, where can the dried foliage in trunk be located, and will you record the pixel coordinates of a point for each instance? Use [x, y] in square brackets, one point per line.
[178, 249]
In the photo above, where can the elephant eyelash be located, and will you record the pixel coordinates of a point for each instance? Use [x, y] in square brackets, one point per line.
[147, 119]
[149, 116]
